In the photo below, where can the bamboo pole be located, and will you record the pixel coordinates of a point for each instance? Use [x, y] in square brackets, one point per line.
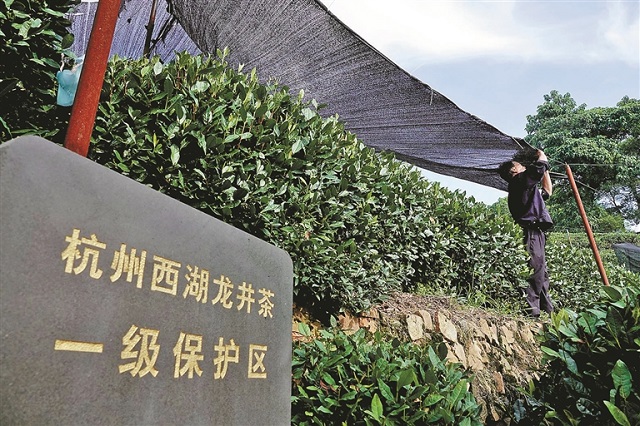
[85, 104]
[587, 227]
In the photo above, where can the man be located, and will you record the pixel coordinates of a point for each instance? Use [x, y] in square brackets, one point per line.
[526, 204]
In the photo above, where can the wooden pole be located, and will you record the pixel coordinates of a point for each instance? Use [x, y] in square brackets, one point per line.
[85, 104]
[587, 227]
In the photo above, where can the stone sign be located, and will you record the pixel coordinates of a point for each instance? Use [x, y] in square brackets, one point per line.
[120, 305]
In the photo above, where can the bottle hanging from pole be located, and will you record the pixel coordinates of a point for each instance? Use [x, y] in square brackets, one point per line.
[85, 105]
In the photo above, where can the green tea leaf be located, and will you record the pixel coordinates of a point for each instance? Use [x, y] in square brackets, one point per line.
[617, 414]
[376, 407]
[552, 353]
[308, 113]
[297, 146]
[570, 362]
[304, 329]
[385, 390]
[157, 68]
[613, 293]
[622, 379]
[231, 138]
[200, 86]
[320, 345]
[432, 399]
[458, 393]
[406, 377]
[175, 154]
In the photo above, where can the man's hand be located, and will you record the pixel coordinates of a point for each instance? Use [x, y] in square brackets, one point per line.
[542, 156]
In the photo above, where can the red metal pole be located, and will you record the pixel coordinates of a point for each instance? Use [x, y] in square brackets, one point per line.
[587, 227]
[85, 104]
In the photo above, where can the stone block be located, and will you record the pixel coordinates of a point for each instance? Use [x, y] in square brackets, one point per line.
[506, 335]
[348, 323]
[427, 320]
[475, 357]
[368, 323]
[121, 305]
[414, 327]
[499, 382]
[490, 331]
[446, 327]
[459, 352]
[526, 335]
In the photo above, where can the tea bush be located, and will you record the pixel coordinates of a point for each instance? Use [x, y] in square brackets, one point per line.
[574, 275]
[34, 34]
[592, 371]
[364, 379]
[357, 224]
[604, 241]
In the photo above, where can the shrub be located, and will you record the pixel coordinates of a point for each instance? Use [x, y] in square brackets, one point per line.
[604, 241]
[358, 224]
[34, 34]
[592, 371]
[575, 278]
[478, 244]
[363, 379]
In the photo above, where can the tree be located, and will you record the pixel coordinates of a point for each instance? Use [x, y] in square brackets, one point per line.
[602, 146]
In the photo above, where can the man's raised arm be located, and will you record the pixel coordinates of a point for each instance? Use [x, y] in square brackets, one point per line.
[546, 179]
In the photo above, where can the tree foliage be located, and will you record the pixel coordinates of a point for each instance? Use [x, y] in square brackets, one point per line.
[602, 147]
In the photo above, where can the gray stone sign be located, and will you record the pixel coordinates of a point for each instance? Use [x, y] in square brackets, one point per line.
[120, 305]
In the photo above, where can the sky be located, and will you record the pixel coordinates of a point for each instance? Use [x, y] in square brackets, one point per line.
[496, 59]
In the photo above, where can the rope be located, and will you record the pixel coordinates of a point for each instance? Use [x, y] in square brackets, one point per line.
[594, 165]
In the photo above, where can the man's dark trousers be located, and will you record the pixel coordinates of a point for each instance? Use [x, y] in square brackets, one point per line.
[537, 293]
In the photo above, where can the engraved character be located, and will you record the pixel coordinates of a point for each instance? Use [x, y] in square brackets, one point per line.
[129, 264]
[266, 305]
[256, 362]
[188, 349]
[225, 290]
[72, 253]
[145, 357]
[167, 271]
[245, 296]
[224, 357]
[197, 284]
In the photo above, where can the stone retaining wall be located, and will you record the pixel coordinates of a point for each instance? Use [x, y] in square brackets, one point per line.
[500, 352]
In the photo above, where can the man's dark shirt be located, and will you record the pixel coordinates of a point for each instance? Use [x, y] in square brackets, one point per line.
[525, 200]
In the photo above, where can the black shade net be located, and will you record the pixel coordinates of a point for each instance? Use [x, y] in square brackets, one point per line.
[302, 45]
[168, 37]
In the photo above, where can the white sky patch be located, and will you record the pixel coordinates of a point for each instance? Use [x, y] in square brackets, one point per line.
[434, 29]
[621, 30]
[413, 32]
